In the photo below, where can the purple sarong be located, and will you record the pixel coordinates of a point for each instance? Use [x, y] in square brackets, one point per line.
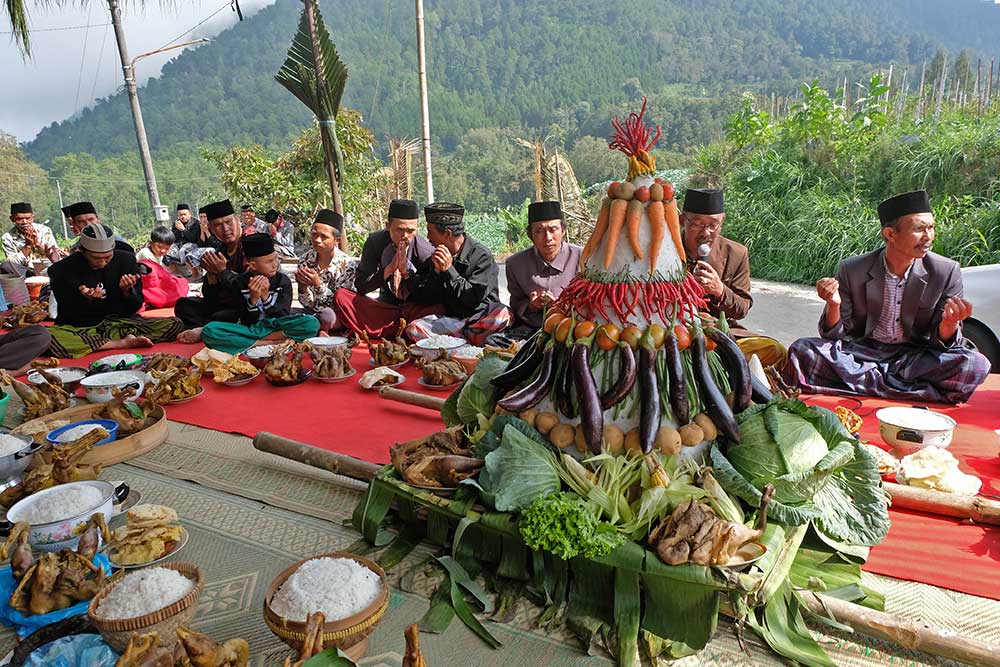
[894, 371]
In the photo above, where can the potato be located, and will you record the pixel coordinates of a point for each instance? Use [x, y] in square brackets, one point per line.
[656, 192]
[546, 421]
[529, 416]
[562, 435]
[626, 190]
[691, 434]
[668, 440]
[632, 444]
[614, 439]
[580, 441]
[707, 426]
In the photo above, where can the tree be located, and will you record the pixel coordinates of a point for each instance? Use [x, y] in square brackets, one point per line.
[962, 76]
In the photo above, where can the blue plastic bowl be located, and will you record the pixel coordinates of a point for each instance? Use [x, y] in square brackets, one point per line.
[109, 425]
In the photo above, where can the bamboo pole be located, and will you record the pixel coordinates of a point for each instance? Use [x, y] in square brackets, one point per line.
[425, 114]
[978, 91]
[989, 84]
[944, 79]
[914, 635]
[976, 508]
[411, 398]
[339, 464]
[920, 92]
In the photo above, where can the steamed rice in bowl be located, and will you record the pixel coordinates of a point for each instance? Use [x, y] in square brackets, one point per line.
[11, 445]
[63, 502]
[337, 587]
[143, 592]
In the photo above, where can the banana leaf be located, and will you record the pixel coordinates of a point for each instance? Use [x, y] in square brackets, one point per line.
[628, 604]
[373, 508]
[819, 568]
[460, 579]
[331, 657]
[440, 614]
[680, 612]
[781, 624]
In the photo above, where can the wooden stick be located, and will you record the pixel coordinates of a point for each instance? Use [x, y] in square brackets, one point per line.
[908, 634]
[976, 508]
[411, 398]
[340, 464]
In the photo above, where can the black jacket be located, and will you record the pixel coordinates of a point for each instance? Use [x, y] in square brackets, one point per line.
[67, 275]
[469, 287]
[277, 304]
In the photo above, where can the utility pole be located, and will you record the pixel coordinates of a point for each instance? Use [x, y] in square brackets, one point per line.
[61, 214]
[425, 119]
[159, 211]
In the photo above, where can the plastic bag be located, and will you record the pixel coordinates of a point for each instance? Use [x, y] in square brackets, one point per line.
[74, 651]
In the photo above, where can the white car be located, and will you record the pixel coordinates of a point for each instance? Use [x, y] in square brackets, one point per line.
[982, 288]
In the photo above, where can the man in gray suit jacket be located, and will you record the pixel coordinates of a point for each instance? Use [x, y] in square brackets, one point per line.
[892, 326]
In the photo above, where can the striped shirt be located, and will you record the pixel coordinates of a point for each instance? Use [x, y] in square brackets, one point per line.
[889, 329]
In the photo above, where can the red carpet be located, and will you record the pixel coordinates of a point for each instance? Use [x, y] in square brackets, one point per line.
[939, 550]
[340, 417]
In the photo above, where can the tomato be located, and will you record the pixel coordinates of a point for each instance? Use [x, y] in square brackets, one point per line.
[709, 344]
[563, 329]
[657, 334]
[613, 189]
[552, 320]
[668, 190]
[683, 336]
[630, 336]
[607, 336]
[583, 329]
[642, 194]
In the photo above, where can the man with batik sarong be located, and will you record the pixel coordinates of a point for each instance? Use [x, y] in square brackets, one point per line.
[266, 294]
[892, 326]
[99, 292]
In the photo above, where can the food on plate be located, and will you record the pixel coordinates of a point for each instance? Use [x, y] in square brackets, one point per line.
[63, 504]
[164, 361]
[887, 463]
[54, 581]
[935, 468]
[849, 418]
[382, 376]
[234, 369]
[208, 359]
[439, 460]
[40, 399]
[194, 650]
[282, 368]
[150, 532]
[144, 591]
[55, 465]
[441, 369]
[695, 534]
[386, 352]
[21, 315]
[174, 385]
[330, 361]
[39, 430]
[131, 416]
[76, 433]
[9, 444]
[337, 587]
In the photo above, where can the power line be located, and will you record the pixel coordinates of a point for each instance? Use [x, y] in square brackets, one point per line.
[83, 59]
[66, 27]
[100, 57]
[196, 26]
[73, 179]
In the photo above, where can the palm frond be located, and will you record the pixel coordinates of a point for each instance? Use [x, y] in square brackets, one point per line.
[559, 183]
[401, 152]
[298, 73]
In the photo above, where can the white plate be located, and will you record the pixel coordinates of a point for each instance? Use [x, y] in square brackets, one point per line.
[337, 379]
[327, 341]
[439, 387]
[178, 401]
[129, 358]
[181, 543]
[399, 380]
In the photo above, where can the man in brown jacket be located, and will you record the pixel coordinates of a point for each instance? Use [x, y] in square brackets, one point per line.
[724, 270]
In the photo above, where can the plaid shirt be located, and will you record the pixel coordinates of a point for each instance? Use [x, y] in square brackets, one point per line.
[889, 329]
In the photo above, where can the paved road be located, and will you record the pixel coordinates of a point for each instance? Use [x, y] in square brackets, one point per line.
[780, 310]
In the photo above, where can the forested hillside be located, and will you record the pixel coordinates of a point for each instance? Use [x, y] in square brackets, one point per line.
[527, 65]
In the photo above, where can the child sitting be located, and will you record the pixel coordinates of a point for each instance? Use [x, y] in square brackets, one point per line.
[161, 240]
[267, 295]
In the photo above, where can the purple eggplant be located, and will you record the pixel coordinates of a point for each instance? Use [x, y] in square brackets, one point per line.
[591, 412]
[711, 397]
[520, 368]
[532, 394]
[736, 367]
[677, 385]
[626, 378]
[649, 397]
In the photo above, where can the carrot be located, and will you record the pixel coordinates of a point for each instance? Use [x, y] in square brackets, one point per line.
[658, 228]
[616, 220]
[632, 217]
[599, 229]
[674, 223]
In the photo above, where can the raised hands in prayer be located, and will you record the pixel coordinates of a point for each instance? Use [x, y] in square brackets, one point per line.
[128, 281]
[308, 277]
[441, 259]
[213, 262]
[93, 292]
[539, 299]
[259, 289]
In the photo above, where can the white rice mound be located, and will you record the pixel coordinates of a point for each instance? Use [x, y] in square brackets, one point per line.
[77, 432]
[63, 503]
[338, 587]
[9, 444]
[143, 592]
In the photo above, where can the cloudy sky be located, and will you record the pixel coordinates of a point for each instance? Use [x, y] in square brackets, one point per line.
[71, 68]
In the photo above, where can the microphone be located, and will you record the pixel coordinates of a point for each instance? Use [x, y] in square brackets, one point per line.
[703, 251]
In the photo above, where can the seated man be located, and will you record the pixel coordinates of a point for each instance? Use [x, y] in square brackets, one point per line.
[724, 271]
[266, 294]
[282, 231]
[892, 326]
[27, 242]
[192, 239]
[393, 261]
[537, 275]
[83, 213]
[214, 304]
[324, 269]
[463, 275]
[19, 347]
[99, 293]
[251, 223]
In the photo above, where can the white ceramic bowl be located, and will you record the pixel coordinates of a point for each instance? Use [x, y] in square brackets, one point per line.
[327, 341]
[259, 352]
[908, 430]
[70, 376]
[98, 387]
[65, 533]
[13, 464]
[428, 347]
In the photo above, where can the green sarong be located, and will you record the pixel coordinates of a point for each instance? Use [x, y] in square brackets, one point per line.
[73, 342]
[234, 337]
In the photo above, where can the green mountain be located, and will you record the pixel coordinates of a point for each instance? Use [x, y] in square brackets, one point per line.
[529, 65]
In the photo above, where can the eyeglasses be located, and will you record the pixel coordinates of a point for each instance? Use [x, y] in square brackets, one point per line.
[707, 227]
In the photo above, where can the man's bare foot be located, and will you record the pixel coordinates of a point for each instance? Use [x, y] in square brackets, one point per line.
[323, 334]
[127, 342]
[189, 336]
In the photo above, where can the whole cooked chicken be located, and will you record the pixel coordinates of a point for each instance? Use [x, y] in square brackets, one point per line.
[282, 368]
[441, 370]
[387, 352]
[330, 362]
[439, 460]
[41, 399]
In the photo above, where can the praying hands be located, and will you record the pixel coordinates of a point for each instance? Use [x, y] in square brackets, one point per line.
[259, 289]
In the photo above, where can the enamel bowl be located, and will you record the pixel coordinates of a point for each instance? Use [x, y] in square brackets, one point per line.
[98, 388]
[65, 533]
